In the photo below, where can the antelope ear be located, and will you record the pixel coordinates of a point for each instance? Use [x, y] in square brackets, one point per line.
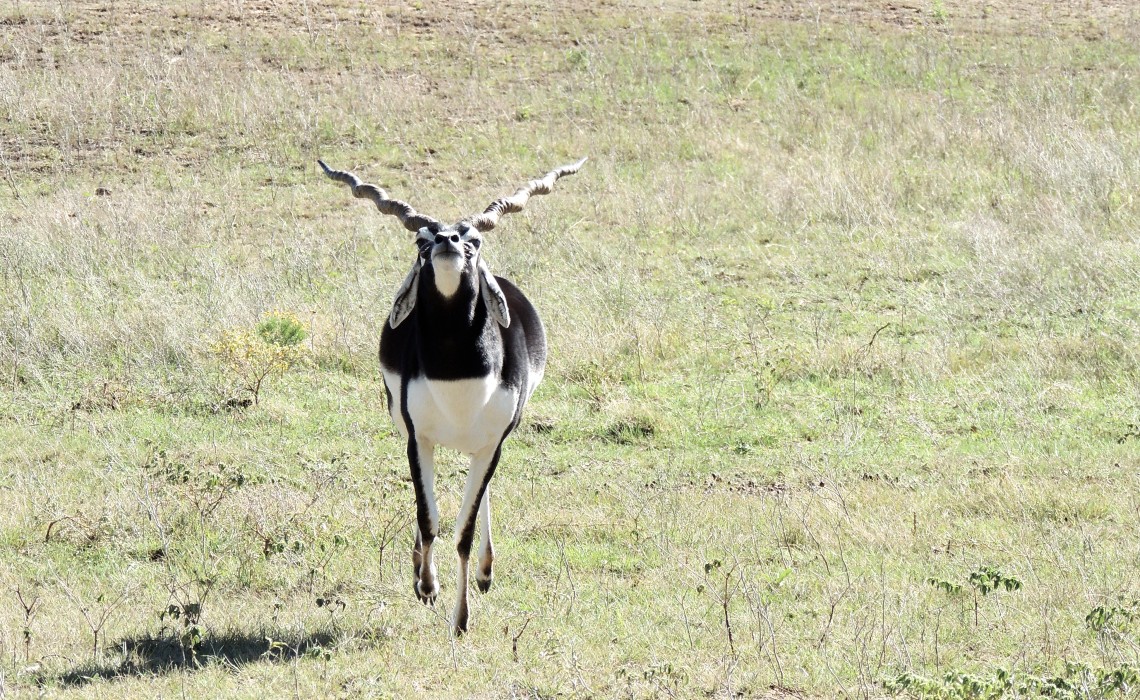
[406, 296]
[493, 296]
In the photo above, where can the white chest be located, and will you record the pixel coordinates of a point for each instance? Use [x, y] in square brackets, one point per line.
[468, 415]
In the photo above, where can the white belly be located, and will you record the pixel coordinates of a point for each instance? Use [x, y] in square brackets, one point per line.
[468, 415]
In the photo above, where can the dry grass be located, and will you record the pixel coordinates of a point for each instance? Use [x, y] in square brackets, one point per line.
[844, 300]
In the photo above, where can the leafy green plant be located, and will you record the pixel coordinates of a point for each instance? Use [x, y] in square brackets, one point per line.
[1107, 618]
[949, 587]
[1076, 681]
[988, 579]
[272, 347]
[189, 632]
[984, 580]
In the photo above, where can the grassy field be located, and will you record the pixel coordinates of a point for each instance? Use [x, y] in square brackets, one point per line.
[844, 315]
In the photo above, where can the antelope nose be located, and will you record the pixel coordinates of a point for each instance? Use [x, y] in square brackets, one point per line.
[440, 238]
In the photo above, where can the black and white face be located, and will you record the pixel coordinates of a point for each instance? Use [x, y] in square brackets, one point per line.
[451, 253]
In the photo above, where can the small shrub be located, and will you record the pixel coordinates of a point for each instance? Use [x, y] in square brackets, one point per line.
[282, 330]
[272, 347]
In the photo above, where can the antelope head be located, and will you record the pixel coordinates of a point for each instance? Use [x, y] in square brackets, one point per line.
[450, 254]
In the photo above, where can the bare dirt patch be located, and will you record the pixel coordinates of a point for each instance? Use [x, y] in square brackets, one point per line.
[1092, 20]
[515, 21]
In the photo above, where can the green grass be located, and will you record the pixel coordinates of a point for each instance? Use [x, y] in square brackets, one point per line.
[836, 307]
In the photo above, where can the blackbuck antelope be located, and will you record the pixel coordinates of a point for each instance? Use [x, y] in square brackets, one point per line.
[461, 353]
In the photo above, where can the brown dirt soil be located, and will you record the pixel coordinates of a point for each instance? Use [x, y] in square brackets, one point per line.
[41, 36]
[1092, 19]
[90, 22]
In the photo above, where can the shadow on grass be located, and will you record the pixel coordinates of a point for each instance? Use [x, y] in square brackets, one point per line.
[144, 656]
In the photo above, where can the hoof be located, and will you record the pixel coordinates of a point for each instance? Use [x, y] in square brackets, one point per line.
[459, 626]
[484, 585]
[427, 597]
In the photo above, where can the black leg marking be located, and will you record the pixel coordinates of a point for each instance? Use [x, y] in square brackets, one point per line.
[424, 586]
[485, 572]
[425, 589]
[423, 516]
[467, 533]
[459, 624]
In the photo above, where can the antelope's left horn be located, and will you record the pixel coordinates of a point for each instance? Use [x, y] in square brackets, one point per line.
[517, 201]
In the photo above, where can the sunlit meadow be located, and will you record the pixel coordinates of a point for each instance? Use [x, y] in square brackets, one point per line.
[844, 311]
